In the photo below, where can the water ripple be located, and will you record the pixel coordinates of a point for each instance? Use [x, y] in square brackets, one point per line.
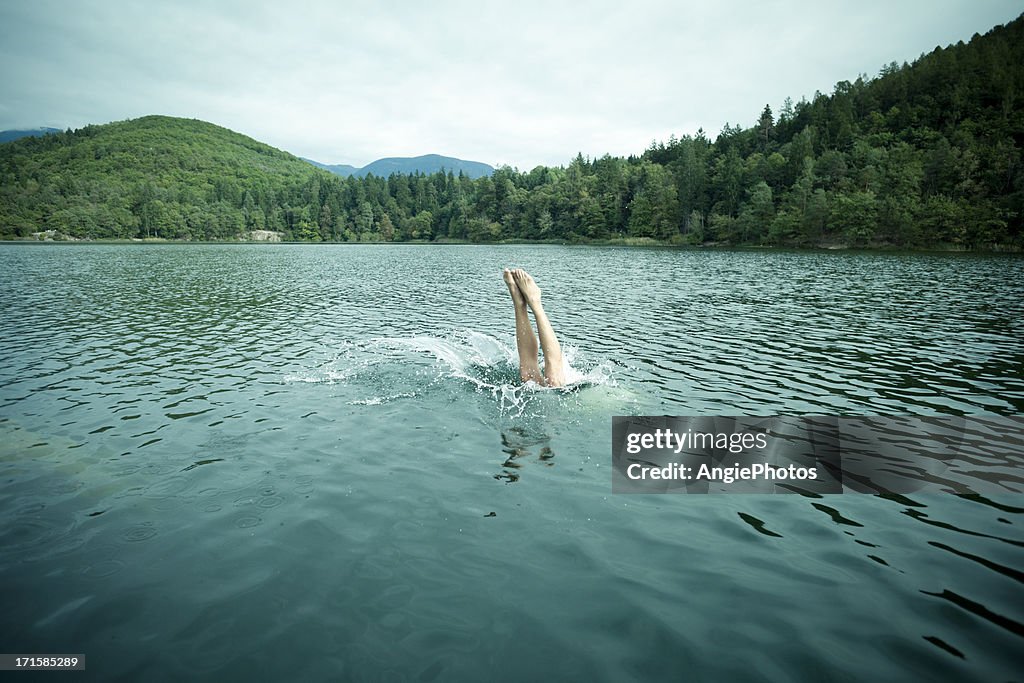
[334, 425]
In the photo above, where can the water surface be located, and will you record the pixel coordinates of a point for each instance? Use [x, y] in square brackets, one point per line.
[314, 462]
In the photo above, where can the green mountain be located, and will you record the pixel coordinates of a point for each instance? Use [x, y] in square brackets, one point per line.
[927, 155]
[153, 176]
[427, 164]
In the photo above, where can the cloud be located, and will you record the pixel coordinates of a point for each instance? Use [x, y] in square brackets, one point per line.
[524, 83]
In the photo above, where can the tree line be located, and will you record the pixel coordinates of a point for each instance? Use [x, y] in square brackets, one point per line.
[923, 155]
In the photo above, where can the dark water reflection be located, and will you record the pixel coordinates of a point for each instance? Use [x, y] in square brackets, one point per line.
[236, 461]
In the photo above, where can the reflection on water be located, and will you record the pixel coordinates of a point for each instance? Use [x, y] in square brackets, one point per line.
[520, 445]
[224, 461]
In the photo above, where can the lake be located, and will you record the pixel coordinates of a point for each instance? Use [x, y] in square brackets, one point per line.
[230, 462]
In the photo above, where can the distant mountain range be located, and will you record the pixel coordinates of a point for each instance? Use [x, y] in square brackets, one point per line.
[426, 164]
[8, 135]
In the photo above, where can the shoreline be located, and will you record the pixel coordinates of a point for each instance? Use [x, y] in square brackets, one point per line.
[627, 242]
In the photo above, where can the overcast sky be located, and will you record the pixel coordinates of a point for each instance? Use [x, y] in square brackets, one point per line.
[518, 83]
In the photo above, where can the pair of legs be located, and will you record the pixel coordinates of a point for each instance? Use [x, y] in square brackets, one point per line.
[525, 293]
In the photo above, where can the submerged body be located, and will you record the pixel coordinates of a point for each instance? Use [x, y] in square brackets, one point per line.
[526, 294]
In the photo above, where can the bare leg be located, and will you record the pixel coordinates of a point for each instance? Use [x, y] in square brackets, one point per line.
[554, 370]
[526, 343]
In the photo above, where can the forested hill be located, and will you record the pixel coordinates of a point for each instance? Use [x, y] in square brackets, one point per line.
[927, 154]
[153, 176]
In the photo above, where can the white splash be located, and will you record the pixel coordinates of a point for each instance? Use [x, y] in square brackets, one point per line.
[489, 364]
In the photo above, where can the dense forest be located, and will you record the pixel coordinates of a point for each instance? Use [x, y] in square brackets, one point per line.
[923, 155]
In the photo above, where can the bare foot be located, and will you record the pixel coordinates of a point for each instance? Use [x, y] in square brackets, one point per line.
[513, 288]
[527, 287]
